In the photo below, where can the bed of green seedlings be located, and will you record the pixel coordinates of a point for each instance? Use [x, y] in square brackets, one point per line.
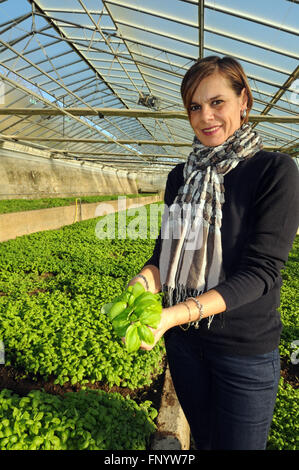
[290, 301]
[91, 420]
[17, 205]
[53, 286]
[285, 426]
[284, 431]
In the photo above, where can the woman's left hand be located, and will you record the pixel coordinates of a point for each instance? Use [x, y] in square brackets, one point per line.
[157, 332]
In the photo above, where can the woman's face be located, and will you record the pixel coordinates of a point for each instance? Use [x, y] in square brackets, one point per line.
[215, 110]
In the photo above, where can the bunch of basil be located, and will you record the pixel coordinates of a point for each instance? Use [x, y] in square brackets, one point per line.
[132, 313]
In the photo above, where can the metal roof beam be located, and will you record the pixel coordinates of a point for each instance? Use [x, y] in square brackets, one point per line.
[245, 16]
[15, 41]
[191, 25]
[54, 107]
[64, 10]
[287, 84]
[158, 33]
[178, 144]
[14, 22]
[99, 29]
[201, 5]
[61, 85]
[141, 113]
[258, 100]
[63, 37]
[42, 72]
[117, 154]
[251, 42]
[190, 58]
[44, 59]
[96, 141]
[149, 12]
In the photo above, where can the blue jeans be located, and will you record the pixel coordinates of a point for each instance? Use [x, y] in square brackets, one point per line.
[228, 400]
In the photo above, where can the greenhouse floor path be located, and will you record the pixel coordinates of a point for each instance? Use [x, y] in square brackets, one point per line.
[173, 431]
[16, 224]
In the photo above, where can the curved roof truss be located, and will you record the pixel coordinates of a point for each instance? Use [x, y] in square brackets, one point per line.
[99, 80]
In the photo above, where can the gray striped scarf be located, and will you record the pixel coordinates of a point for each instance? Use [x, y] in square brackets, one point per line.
[191, 251]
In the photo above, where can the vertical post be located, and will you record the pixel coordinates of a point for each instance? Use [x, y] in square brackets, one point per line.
[201, 25]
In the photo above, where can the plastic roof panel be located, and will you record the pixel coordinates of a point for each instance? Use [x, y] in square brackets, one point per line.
[100, 55]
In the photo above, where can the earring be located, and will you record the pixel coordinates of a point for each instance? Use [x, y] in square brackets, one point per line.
[243, 114]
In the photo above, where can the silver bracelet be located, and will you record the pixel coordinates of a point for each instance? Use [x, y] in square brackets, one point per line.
[188, 325]
[144, 278]
[200, 309]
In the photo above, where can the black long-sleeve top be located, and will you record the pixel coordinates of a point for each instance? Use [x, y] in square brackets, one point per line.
[259, 224]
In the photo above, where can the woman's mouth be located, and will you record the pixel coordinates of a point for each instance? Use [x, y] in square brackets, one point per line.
[210, 130]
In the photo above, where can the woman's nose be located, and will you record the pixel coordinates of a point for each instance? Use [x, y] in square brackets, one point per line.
[207, 113]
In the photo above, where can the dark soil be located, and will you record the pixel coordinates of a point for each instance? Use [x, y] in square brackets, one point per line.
[290, 372]
[15, 380]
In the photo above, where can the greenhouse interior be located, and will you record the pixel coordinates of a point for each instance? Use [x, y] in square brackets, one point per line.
[92, 123]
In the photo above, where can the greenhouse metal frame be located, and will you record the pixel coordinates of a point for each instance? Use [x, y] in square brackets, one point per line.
[99, 80]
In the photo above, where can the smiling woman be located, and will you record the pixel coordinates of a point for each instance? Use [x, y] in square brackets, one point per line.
[217, 97]
[215, 117]
[220, 269]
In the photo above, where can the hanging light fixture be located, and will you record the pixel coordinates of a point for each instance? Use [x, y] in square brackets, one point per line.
[148, 100]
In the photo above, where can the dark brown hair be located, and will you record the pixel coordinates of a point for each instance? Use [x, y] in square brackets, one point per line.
[229, 67]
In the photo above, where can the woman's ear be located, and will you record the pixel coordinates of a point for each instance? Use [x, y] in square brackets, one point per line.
[244, 98]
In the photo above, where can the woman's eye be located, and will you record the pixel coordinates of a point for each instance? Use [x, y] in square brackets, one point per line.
[217, 102]
[194, 107]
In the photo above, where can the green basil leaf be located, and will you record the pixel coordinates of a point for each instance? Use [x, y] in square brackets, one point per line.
[116, 309]
[132, 339]
[130, 299]
[153, 307]
[146, 334]
[127, 297]
[143, 305]
[121, 330]
[145, 296]
[120, 320]
[106, 308]
[138, 289]
[150, 318]
[133, 317]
